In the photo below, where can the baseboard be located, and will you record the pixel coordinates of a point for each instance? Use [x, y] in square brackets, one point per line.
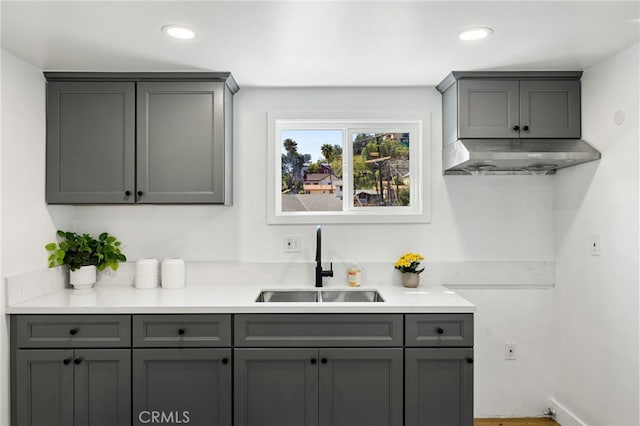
[563, 415]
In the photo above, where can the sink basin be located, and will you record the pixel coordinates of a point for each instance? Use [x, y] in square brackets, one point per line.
[288, 296]
[325, 296]
[351, 296]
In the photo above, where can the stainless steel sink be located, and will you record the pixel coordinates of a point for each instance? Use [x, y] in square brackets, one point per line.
[324, 296]
[288, 296]
[351, 296]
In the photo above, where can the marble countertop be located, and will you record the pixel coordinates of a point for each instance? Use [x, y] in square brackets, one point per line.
[234, 298]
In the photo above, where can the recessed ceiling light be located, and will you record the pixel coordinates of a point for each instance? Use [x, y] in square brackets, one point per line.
[178, 31]
[477, 33]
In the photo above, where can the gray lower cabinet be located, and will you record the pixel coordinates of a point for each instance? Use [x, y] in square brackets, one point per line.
[126, 138]
[438, 387]
[318, 370]
[186, 385]
[81, 387]
[318, 387]
[438, 370]
[182, 369]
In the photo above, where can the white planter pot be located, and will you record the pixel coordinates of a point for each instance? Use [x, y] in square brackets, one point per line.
[85, 277]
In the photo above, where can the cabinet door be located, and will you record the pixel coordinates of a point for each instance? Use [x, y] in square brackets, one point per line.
[488, 109]
[90, 142]
[439, 387]
[180, 142]
[191, 386]
[44, 388]
[276, 387]
[360, 387]
[550, 109]
[102, 387]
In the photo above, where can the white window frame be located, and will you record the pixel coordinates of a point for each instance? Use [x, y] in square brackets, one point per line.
[417, 212]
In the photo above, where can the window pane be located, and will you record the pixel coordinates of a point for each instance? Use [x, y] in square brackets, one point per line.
[311, 175]
[380, 169]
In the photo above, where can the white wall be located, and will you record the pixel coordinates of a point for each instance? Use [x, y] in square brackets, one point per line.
[27, 223]
[596, 298]
[485, 218]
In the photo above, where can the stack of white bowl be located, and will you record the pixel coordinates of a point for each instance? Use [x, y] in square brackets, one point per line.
[146, 273]
[173, 273]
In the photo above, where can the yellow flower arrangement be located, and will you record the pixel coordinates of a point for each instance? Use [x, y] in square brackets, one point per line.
[409, 262]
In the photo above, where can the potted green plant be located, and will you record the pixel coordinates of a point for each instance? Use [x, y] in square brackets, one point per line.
[84, 254]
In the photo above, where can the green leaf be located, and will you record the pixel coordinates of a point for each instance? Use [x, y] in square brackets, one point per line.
[111, 240]
[117, 243]
[103, 236]
[60, 253]
[52, 257]
[52, 264]
[61, 234]
[51, 246]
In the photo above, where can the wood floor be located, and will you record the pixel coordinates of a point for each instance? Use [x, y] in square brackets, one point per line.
[515, 422]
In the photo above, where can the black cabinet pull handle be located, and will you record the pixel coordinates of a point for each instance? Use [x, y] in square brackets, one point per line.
[313, 360]
[439, 330]
[140, 193]
[181, 331]
[77, 361]
[469, 360]
[323, 360]
[525, 128]
[127, 193]
[516, 127]
[73, 331]
[225, 361]
[66, 361]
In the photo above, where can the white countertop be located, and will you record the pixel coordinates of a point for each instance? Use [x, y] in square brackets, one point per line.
[230, 298]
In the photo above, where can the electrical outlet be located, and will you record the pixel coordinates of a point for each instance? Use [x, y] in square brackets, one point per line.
[594, 244]
[510, 350]
[292, 243]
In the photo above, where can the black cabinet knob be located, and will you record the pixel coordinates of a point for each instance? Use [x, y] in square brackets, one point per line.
[66, 361]
[313, 360]
[469, 360]
[323, 360]
[127, 193]
[140, 193]
[225, 361]
[73, 331]
[516, 127]
[181, 331]
[525, 128]
[77, 361]
[439, 330]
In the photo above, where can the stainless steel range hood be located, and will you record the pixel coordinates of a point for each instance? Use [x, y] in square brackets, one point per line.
[514, 156]
[512, 122]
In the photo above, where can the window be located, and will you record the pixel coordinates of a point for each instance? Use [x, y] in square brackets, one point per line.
[339, 170]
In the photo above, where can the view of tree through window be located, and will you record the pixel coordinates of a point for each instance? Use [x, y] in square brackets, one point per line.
[312, 170]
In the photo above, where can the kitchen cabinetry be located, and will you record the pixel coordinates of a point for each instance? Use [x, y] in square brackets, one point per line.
[182, 369]
[71, 370]
[439, 370]
[511, 105]
[125, 138]
[288, 370]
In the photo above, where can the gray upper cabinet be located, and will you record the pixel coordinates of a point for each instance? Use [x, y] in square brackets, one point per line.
[527, 105]
[125, 138]
[90, 142]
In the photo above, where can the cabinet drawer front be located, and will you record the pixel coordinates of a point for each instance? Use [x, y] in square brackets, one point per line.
[73, 331]
[181, 330]
[439, 330]
[320, 330]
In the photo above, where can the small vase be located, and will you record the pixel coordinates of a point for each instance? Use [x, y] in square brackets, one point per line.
[410, 279]
[82, 278]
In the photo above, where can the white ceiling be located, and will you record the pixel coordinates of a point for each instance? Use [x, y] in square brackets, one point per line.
[318, 43]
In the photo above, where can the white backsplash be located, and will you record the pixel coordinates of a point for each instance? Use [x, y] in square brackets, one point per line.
[451, 274]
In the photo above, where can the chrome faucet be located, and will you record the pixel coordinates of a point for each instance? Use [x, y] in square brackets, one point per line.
[319, 271]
